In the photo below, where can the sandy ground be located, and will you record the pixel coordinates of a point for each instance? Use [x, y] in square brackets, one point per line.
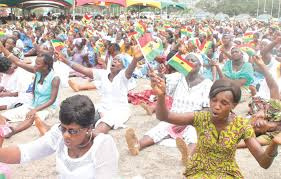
[154, 162]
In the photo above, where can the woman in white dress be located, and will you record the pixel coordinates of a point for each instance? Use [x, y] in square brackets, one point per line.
[78, 153]
[114, 86]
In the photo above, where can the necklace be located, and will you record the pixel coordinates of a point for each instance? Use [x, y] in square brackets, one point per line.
[87, 143]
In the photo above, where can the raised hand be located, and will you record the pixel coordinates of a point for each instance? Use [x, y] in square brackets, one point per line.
[157, 84]
[137, 53]
[59, 56]
[261, 126]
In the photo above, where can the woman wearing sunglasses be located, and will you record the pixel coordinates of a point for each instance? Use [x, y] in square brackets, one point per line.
[78, 153]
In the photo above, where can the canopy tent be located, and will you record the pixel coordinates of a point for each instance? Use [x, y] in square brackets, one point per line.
[10, 3]
[154, 3]
[109, 2]
[170, 3]
[222, 17]
[37, 3]
[31, 4]
[264, 17]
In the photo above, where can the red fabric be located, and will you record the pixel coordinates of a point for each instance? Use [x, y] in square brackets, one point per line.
[144, 96]
[82, 2]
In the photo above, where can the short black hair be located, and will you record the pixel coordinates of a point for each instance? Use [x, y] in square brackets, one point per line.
[225, 85]
[78, 109]
[5, 64]
[116, 47]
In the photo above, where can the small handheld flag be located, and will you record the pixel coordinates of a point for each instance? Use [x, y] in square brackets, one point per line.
[180, 64]
[57, 44]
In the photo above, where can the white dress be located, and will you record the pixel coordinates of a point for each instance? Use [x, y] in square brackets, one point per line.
[19, 82]
[99, 162]
[114, 101]
[185, 99]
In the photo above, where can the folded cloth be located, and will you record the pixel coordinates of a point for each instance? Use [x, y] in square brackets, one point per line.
[176, 131]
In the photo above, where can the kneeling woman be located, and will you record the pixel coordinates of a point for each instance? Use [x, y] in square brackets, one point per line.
[45, 91]
[78, 153]
[219, 131]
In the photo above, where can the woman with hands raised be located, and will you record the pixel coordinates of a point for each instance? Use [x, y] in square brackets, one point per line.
[45, 91]
[219, 131]
[113, 87]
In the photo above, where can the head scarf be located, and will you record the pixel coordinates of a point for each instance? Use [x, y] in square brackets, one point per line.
[125, 59]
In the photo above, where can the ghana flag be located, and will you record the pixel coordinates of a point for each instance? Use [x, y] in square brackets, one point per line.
[180, 64]
[57, 44]
[248, 37]
[206, 46]
[186, 32]
[86, 19]
[150, 48]
[140, 28]
[248, 49]
[2, 33]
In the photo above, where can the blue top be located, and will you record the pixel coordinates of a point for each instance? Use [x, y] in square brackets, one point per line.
[42, 92]
[246, 72]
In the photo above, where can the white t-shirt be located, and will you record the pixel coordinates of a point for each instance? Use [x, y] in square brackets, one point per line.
[273, 68]
[186, 99]
[62, 70]
[18, 81]
[19, 44]
[114, 94]
[99, 162]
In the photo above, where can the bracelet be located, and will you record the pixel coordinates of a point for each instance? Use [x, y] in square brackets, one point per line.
[10, 55]
[272, 156]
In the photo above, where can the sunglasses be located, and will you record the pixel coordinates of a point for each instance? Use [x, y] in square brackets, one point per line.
[70, 131]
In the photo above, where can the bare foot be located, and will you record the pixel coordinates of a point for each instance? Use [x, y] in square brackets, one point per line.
[73, 85]
[41, 126]
[146, 108]
[277, 139]
[132, 141]
[181, 145]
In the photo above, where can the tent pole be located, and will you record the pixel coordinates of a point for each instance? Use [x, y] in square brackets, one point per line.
[73, 10]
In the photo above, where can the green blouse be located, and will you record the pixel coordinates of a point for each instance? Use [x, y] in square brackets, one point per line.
[215, 151]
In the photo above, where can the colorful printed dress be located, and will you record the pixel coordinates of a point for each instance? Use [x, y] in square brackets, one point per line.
[215, 152]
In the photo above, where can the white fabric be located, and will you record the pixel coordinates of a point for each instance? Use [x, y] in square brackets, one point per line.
[20, 44]
[114, 101]
[17, 81]
[62, 70]
[185, 99]
[264, 91]
[10, 102]
[19, 114]
[99, 162]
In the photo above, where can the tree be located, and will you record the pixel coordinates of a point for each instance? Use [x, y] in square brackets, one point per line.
[236, 7]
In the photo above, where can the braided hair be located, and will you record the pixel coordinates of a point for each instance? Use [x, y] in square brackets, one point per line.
[5, 64]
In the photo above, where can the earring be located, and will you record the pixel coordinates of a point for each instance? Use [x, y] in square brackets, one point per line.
[87, 133]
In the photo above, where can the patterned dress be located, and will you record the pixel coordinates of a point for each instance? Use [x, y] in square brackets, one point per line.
[215, 152]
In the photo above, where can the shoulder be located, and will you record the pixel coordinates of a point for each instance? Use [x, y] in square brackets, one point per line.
[104, 143]
[201, 117]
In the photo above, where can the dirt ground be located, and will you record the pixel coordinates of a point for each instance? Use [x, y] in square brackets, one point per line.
[154, 162]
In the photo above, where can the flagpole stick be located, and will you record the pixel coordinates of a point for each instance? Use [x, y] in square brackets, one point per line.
[146, 61]
[73, 10]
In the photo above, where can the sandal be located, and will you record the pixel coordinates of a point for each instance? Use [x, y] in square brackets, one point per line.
[132, 141]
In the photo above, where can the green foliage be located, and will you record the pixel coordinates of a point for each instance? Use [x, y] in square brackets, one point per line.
[233, 8]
